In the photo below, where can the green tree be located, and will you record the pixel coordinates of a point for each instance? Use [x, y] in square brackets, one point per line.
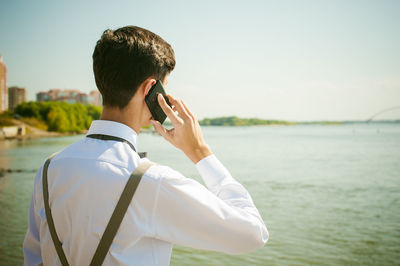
[60, 116]
[57, 120]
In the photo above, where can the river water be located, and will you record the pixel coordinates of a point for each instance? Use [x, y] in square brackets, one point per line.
[329, 195]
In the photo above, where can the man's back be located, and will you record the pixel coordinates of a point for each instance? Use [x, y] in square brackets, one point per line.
[85, 183]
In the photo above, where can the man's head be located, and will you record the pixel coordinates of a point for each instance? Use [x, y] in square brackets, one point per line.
[124, 58]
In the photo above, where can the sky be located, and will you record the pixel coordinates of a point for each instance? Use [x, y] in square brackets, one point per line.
[287, 60]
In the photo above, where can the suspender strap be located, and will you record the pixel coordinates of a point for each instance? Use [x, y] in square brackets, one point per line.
[114, 222]
[49, 217]
[119, 213]
[109, 137]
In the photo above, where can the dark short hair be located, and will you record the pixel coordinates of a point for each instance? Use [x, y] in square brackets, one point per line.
[124, 58]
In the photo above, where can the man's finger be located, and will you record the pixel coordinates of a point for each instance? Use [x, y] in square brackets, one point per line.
[160, 129]
[179, 107]
[167, 110]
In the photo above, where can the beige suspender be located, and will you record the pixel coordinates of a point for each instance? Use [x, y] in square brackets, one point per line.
[119, 213]
[113, 223]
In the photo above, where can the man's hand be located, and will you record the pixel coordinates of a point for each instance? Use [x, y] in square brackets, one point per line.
[186, 134]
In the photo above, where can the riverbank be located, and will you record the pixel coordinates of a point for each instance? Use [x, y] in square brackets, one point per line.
[31, 132]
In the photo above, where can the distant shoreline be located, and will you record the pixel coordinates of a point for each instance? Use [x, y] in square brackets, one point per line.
[230, 121]
[236, 121]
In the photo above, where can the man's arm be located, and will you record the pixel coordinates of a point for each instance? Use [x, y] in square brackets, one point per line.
[31, 245]
[222, 218]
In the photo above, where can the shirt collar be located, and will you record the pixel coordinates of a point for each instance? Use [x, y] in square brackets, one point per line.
[113, 128]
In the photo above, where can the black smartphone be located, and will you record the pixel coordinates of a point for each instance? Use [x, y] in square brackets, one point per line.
[151, 100]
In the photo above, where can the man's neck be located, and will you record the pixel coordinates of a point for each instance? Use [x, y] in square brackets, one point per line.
[123, 116]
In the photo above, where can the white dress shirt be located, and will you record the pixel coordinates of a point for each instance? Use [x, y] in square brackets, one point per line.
[86, 180]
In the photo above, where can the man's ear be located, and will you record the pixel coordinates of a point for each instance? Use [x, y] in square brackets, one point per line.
[147, 84]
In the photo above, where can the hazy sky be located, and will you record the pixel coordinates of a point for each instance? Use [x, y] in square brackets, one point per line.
[292, 60]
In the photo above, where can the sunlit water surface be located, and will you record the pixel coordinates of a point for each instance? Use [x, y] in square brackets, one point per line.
[329, 195]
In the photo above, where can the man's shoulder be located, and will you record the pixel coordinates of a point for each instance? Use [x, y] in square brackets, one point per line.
[118, 154]
[57, 154]
[73, 148]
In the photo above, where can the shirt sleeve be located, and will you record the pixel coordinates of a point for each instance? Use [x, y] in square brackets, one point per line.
[31, 245]
[221, 218]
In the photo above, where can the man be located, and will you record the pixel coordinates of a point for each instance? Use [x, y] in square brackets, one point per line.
[86, 179]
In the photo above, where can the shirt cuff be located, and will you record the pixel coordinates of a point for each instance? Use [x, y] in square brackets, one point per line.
[212, 171]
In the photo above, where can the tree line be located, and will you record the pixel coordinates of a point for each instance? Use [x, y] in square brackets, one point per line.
[60, 116]
[236, 121]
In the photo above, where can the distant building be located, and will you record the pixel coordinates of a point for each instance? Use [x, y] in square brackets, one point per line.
[16, 96]
[43, 97]
[3, 86]
[69, 96]
[82, 98]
